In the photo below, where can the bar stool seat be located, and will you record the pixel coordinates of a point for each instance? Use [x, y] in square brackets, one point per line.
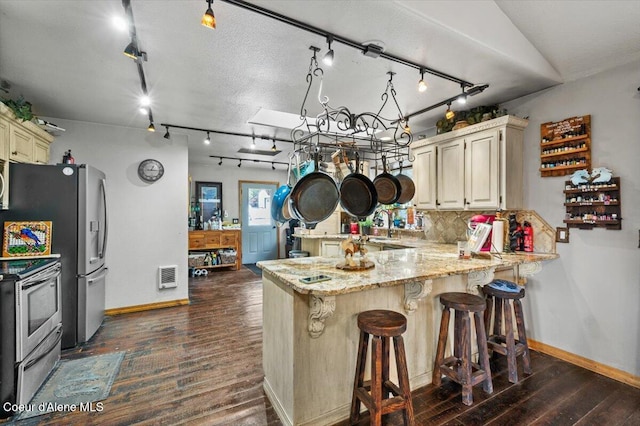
[500, 294]
[382, 326]
[459, 366]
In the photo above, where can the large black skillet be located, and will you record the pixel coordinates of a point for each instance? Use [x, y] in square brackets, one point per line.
[358, 195]
[314, 197]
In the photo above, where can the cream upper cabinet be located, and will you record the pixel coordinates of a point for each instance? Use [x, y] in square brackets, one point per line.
[27, 143]
[424, 176]
[478, 167]
[482, 183]
[450, 174]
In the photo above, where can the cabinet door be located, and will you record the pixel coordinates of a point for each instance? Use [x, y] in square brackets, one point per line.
[4, 139]
[424, 176]
[331, 249]
[482, 181]
[228, 239]
[21, 145]
[40, 152]
[450, 174]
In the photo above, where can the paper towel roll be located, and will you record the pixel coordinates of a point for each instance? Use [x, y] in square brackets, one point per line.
[497, 236]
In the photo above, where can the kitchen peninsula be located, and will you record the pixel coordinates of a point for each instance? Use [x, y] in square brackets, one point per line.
[310, 335]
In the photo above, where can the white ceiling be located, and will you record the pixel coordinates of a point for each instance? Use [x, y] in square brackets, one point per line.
[66, 58]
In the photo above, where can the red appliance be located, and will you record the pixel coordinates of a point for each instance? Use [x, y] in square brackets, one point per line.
[483, 218]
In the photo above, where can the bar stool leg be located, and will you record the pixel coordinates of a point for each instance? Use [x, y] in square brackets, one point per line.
[359, 379]
[376, 382]
[487, 315]
[403, 380]
[512, 365]
[522, 336]
[483, 353]
[465, 353]
[442, 341]
[386, 343]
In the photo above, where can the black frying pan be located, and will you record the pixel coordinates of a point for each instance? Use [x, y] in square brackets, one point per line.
[387, 185]
[408, 187]
[314, 197]
[358, 195]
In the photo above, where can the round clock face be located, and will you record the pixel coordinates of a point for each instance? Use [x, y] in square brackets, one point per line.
[150, 170]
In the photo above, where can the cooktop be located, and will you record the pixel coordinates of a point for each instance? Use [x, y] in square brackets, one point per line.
[22, 268]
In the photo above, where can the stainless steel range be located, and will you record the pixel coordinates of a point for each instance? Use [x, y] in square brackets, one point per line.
[30, 328]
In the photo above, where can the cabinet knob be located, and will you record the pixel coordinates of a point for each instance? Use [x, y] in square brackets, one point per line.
[14, 153]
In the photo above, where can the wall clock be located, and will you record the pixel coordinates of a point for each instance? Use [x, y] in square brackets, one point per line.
[150, 170]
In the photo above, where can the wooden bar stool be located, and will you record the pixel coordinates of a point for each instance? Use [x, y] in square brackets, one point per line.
[500, 293]
[382, 325]
[459, 367]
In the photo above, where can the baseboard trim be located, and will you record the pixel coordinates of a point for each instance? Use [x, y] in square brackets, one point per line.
[276, 404]
[146, 307]
[596, 367]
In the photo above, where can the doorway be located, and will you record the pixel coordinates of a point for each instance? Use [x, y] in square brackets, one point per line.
[259, 231]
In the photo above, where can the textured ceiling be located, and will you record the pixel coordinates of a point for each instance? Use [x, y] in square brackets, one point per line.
[66, 58]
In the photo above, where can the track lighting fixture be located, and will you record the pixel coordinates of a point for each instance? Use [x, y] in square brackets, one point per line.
[253, 142]
[422, 85]
[209, 19]
[131, 51]
[207, 141]
[240, 163]
[273, 147]
[151, 127]
[462, 98]
[407, 129]
[449, 114]
[273, 166]
[328, 57]
[220, 162]
[166, 134]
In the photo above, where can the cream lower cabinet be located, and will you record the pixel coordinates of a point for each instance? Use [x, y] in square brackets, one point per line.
[331, 248]
[478, 167]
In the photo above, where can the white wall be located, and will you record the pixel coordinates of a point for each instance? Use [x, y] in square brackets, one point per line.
[147, 222]
[587, 301]
[229, 174]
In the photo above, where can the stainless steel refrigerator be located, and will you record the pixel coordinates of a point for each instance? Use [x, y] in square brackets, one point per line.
[73, 197]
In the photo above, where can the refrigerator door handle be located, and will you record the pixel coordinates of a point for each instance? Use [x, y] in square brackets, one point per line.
[103, 250]
[99, 277]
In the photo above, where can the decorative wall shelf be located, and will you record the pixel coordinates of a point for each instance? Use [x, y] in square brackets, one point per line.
[565, 146]
[593, 205]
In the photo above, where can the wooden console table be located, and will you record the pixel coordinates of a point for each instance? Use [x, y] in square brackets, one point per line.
[212, 241]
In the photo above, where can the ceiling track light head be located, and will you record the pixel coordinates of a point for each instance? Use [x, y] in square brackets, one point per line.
[209, 18]
[240, 163]
[207, 141]
[166, 134]
[328, 57]
[273, 166]
[151, 127]
[422, 85]
[220, 162]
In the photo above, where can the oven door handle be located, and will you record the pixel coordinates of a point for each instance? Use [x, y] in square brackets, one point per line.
[39, 279]
[45, 353]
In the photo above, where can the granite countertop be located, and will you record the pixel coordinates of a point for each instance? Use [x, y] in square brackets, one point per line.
[392, 267]
[378, 240]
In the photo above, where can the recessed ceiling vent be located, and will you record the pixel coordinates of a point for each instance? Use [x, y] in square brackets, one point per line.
[258, 152]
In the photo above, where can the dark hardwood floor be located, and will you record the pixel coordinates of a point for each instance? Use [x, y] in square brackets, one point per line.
[201, 365]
